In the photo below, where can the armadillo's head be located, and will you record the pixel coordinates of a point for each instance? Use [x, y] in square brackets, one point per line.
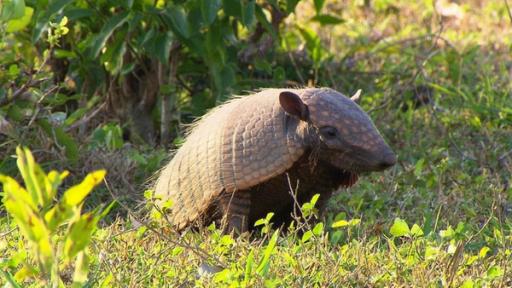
[340, 131]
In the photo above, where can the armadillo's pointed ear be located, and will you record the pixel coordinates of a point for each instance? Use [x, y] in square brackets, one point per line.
[293, 105]
[356, 97]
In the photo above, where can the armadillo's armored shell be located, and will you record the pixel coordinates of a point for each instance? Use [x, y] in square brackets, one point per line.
[236, 146]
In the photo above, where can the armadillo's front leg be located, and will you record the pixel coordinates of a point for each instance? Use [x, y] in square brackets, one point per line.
[235, 209]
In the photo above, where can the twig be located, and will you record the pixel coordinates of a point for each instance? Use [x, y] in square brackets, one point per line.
[508, 10]
[504, 155]
[36, 109]
[306, 221]
[7, 233]
[86, 118]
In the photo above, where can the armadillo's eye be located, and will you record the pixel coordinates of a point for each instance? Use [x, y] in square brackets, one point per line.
[328, 132]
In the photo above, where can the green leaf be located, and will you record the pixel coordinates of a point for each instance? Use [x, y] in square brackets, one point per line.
[78, 13]
[319, 4]
[416, 231]
[232, 8]
[318, 229]
[259, 222]
[80, 112]
[209, 9]
[62, 139]
[494, 272]
[431, 252]
[106, 31]
[468, 284]
[262, 19]
[248, 14]
[12, 9]
[113, 58]
[448, 233]
[326, 19]
[178, 21]
[20, 23]
[314, 199]
[290, 5]
[159, 46]
[279, 74]
[307, 236]
[248, 266]
[264, 221]
[311, 38]
[399, 228]
[418, 168]
[10, 280]
[265, 261]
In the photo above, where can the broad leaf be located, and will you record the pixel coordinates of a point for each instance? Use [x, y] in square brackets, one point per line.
[76, 194]
[400, 228]
[178, 21]
[12, 9]
[319, 4]
[209, 9]
[326, 19]
[112, 24]
[20, 23]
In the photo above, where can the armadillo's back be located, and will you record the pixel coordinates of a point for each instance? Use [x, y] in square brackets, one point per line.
[234, 147]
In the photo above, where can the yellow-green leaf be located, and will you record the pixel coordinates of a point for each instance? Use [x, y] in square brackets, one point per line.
[55, 178]
[79, 235]
[468, 284]
[14, 190]
[76, 194]
[20, 23]
[58, 215]
[35, 179]
[399, 228]
[25, 272]
[416, 230]
[484, 251]
[81, 270]
[344, 223]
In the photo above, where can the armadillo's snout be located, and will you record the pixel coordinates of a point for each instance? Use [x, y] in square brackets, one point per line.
[388, 160]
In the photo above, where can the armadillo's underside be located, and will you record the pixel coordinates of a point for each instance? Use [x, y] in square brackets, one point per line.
[275, 195]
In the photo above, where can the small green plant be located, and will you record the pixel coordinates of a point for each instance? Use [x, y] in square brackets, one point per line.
[57, 232]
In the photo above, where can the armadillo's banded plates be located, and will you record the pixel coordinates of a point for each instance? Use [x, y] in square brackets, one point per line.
[234, 147]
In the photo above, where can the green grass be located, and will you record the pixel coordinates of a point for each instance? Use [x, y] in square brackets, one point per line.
[452, 179]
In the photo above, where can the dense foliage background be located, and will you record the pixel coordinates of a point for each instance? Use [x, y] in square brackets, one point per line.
[111, 84]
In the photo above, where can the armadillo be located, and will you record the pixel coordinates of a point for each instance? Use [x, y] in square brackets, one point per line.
[242, 159]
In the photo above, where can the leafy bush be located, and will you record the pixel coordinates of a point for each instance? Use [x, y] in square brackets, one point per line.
[57, 232]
